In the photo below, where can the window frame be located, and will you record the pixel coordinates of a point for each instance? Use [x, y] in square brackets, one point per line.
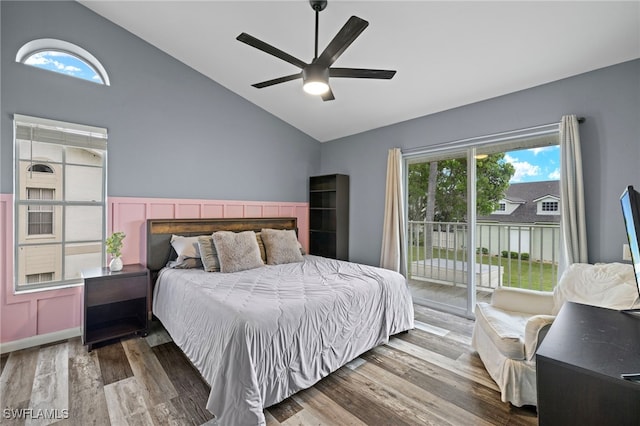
[40, 208]
[54, 45]
[545, 201]
[66, 136]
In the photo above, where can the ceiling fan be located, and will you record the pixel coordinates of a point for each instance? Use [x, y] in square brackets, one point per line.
[315, 76]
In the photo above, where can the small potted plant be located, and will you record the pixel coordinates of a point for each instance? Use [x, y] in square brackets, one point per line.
[114, 247]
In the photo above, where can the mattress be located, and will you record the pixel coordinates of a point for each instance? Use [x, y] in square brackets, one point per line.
[261, 335]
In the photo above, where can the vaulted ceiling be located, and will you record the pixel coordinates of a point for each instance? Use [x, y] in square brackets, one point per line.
[446, 53]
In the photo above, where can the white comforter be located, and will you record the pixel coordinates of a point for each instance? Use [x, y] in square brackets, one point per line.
[259, 336]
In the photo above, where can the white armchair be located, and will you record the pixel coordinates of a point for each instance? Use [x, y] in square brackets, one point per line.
[508, 331]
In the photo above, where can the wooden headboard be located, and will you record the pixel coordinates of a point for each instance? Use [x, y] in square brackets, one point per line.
[159, 232]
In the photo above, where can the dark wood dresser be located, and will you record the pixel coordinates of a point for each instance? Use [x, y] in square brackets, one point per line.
[579, 364]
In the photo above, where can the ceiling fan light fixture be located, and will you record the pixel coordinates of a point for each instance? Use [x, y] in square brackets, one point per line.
[315, 80]
[316, 87]
[315, 75]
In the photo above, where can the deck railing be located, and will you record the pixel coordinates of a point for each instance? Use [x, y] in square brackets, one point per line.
[524, 256]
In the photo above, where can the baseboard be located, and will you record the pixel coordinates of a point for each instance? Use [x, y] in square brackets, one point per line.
[40, 339]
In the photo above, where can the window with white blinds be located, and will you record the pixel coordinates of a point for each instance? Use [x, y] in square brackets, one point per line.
[60, 201]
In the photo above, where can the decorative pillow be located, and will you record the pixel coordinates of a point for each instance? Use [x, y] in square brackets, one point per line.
[188, 253]
[263, 253]
[281, 246]
[237, 251]
[208, 253]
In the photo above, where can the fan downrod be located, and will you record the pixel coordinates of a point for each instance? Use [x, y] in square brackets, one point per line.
[318, 5]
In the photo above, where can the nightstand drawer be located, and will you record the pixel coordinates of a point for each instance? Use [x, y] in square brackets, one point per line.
[115, 290]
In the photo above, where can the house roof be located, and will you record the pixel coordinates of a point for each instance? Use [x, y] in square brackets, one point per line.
[555, 197]
[515, 200]
[527, 212]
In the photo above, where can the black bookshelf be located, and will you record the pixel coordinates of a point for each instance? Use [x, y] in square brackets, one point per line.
[329, 216]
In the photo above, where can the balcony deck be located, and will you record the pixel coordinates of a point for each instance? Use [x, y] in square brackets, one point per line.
[423, 290]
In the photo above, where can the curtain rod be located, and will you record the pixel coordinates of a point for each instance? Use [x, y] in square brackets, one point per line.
[495, 137]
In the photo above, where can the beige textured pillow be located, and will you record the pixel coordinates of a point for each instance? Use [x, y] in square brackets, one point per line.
[208, 253]
[237, 251]
[281, 246]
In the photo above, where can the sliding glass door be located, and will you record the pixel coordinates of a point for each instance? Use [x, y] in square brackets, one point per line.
[458, 254]
[437, 229]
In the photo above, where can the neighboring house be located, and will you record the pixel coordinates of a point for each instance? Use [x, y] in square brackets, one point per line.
[528, 203]
[526, 221]
[55, 241]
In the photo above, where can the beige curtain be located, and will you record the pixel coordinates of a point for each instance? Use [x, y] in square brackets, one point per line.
[392, 254]
[573, 230]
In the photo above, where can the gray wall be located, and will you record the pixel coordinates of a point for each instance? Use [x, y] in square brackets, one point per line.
[175, 133]
[172, 132]
[608, 98]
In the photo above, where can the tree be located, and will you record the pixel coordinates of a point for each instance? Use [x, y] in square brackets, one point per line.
[417, 191]
[430, 210]
[493, 174]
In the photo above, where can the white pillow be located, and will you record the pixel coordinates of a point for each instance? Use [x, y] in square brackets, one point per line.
[185, 247]
[188, 253]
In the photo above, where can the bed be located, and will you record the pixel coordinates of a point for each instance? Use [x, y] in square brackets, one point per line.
[260, 335]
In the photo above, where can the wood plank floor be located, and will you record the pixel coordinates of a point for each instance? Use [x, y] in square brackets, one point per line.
[428, 376]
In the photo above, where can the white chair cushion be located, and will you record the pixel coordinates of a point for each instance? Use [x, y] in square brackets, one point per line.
[533, 302]
[505, 328]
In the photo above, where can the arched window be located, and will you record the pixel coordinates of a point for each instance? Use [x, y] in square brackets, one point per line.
[41, 168]
[63, 57]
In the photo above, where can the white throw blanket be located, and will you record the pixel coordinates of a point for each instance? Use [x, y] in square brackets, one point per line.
[608, 285]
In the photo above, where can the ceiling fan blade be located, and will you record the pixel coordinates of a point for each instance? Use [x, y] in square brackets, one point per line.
[347, 34]
[328, 96]
[277, 81]
[361, 73]
[267, 48]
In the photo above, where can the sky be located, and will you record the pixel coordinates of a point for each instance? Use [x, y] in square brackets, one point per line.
[535, 164]
[64, 64]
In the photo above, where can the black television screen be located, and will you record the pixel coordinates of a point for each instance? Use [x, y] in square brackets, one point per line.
[630, 201]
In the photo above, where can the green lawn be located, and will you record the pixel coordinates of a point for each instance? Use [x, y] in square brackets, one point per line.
[516, 273]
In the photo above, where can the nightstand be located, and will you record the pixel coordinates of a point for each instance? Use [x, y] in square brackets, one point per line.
[115, 303]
